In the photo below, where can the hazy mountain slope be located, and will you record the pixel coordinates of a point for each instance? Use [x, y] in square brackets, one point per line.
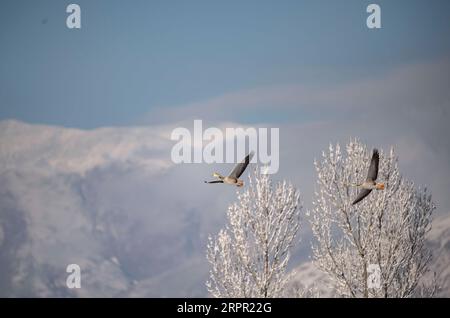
[111, 201]
[102, 199]
[439, 242]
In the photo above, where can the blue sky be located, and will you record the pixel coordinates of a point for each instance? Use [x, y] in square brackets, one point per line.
[132, 57]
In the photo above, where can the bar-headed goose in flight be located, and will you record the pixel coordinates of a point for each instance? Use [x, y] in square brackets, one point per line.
[238, 170]
[370, 183]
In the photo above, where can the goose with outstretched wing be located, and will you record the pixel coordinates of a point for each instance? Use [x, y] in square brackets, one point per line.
[370, 183]
[238, 170]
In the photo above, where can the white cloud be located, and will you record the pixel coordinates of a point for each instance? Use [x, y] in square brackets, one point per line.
[409, 86]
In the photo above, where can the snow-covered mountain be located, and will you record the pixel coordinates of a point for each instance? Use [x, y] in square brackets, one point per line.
[111, 201]
[439, 242]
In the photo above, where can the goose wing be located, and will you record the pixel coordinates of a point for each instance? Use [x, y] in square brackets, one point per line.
[373, 169]
[361, 195]
[240, 167]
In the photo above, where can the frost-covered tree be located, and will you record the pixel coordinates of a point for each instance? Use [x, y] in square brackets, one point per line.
[375, 248]
[249, 257]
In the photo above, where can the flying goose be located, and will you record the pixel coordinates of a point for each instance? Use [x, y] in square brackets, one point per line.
[370, 183]
[238, 170]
